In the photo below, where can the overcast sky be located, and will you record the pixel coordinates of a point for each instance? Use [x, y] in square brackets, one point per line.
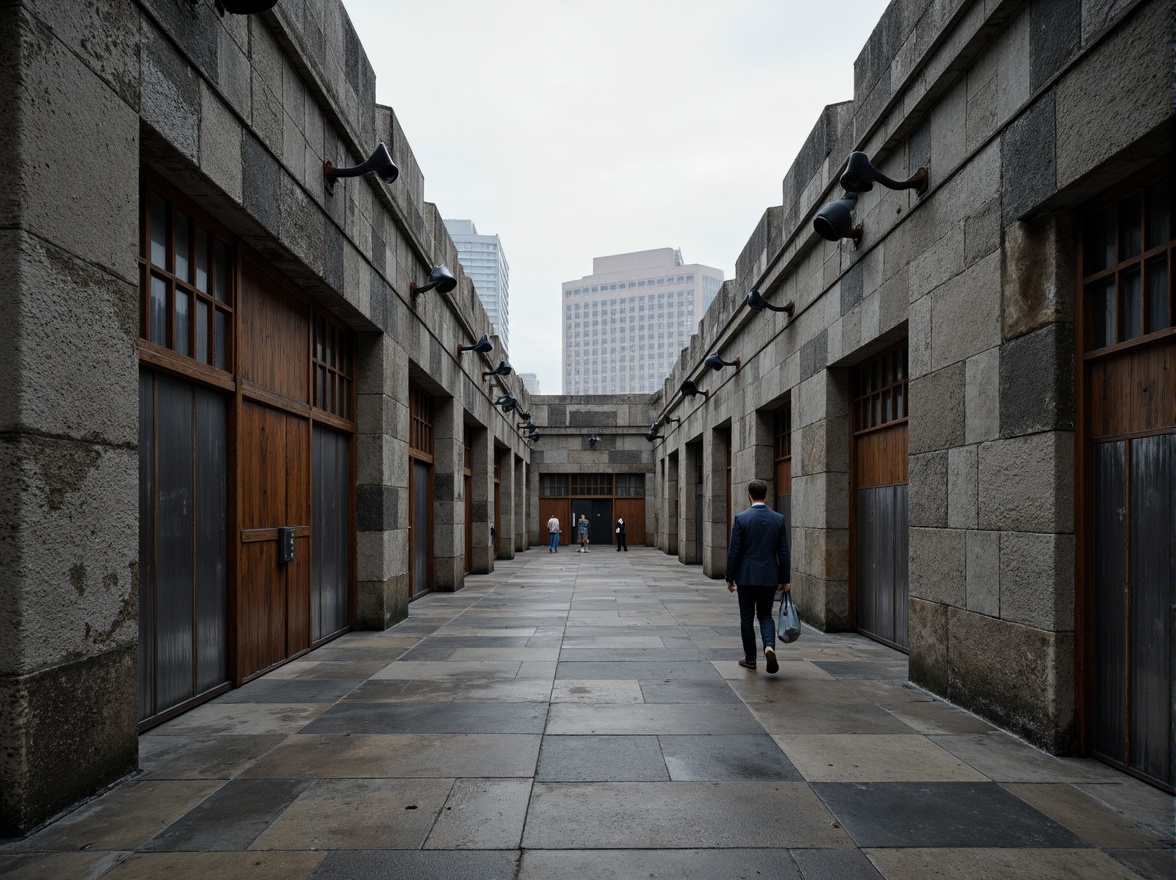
[576, 130]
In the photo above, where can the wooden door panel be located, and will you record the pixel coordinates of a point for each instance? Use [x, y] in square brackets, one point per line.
[275, 335]
[1134, 392]
[633, 512]
[561, 509]
[880, 457]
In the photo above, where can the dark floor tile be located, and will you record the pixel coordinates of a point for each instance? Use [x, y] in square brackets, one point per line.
[445, 717]
[662, 864]
[632, 670]
[612, 655]
[657, 632]
[931, 814]
[601, 759]
[677, 691]
[231, 818]
[202, 757]
[834, 864]
[1151, 864]
[292, 690]
[426, 865]
[726, 759]
[863, 669]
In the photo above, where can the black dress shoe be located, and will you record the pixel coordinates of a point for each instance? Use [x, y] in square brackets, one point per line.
[747, 665]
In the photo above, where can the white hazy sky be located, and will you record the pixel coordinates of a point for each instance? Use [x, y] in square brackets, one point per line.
[576, 130]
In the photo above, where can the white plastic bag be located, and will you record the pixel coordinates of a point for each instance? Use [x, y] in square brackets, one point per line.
[788, 623]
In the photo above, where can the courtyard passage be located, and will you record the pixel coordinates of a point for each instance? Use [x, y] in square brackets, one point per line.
[579, 716]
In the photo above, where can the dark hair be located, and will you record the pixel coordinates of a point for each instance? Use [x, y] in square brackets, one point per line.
[757, 490]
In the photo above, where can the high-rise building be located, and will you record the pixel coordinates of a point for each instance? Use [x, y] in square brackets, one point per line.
[484, 261]
[625, 324]
[530, 382]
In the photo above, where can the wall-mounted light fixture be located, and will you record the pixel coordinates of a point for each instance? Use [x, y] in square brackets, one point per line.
[593, 440]
[440, 278]
[241, 7]
[503, 369]
[757, 303]
[689, 389]
[482, 346]
[508, 402]
[717, 363]
[533, 436]
[651, 434]
[380, 162]
[525, 416]
[835, 221]
[860, 175]
[528, 425]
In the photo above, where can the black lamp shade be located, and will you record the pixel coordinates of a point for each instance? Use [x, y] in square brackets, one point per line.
[380, 162]
[246, 7]
[835, 220]
[482, 346]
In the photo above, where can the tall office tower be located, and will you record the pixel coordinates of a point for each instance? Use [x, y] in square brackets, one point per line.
[626, 323]
[530, 382]
[484, 261]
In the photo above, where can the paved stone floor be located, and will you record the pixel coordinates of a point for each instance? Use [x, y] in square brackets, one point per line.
[582, 716]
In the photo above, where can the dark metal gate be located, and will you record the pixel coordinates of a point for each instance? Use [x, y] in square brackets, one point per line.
[331, 530]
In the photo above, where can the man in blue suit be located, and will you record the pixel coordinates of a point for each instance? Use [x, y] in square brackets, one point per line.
[757, 561]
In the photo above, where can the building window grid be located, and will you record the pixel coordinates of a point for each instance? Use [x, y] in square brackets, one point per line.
[332, 362]
[420, 432]
[187, 282]
[1127, 266]
[880, 391]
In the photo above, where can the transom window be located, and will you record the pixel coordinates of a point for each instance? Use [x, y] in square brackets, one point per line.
[631, 484]
[880, 391]
[420, 418]
[782, 428]
[186, 276]
[1127, 266]
[333, 379]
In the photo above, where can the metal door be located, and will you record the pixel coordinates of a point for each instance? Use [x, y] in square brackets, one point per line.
[331, 522]
[421, 527]
[183, 545]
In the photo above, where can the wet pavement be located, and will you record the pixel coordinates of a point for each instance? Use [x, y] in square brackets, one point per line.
[583, 716]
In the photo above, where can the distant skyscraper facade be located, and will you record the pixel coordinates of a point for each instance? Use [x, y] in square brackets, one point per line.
[626, 323]
[530, 382]
[484, 261]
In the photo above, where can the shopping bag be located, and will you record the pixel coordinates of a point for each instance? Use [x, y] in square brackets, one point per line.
[788, 623]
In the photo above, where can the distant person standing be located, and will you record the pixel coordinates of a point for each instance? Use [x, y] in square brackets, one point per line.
[553, 531]
[758, 566]
[621, 545]
[582, 531]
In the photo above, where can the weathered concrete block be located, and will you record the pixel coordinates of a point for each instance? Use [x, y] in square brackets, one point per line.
[1037, 382]
[983, 576]
[1026, 483]
[937, 565]
[1012, 68]
[1037, 580]
[938, 264]
[75, 492]
[78, 732]
[919, 341]
[104, 36]
[949, 127]
[1028, 160]
[929, 493]
[68, 337]
[937, 410]
[1037, 286]
[962, 507]
[1020, 677]
[1055, 36]
[234, 76]
[965, 313]
[380, 604]
[927, 638]
[982, 397]
[982, 232]
[220, 144]
[170, 93]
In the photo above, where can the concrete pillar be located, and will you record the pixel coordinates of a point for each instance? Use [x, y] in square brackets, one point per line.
[448, 501]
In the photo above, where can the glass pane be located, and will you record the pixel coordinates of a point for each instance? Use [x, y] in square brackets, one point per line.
[202, 260]
[344, 398]
[202, 331]
[158, 311]
[899, 402]
[1159, 314]
[330, 404]
[158, 231]
[182, 246]
[1132, 305]
[318, 393]
[318, 340]
[183, 303]
[1102, 312]
[886, 416]
[1158, 207]
[222, 272]
[222, 340]
[1130, 233]
[1100, 244]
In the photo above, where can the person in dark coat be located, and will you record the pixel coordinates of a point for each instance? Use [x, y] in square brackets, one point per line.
[758, 566]
[621, 545]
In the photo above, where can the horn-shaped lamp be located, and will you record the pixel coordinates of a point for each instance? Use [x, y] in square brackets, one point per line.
[860, 175]
[503, 369]
[756, 302]
[440, 278]
[689, 389]
[482, 346]
[717, 363]
[835, 220]
[380, 162]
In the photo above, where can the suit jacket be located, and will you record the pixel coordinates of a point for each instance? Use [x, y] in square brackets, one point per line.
[758, 553]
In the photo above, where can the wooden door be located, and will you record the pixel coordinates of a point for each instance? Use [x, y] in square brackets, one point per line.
[879, 498]
[561, 509]
[273, 597]
[1126, 603]
[632, 510]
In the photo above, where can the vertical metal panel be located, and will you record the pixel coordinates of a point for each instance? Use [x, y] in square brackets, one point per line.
[211, 557]
[146, 544]
[330, 530]
[884, 561]
[901, 572]
[865, 561]
[1152, 595]
[1110, 533]
[698, 529]
[421, 525]
[173, 549]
